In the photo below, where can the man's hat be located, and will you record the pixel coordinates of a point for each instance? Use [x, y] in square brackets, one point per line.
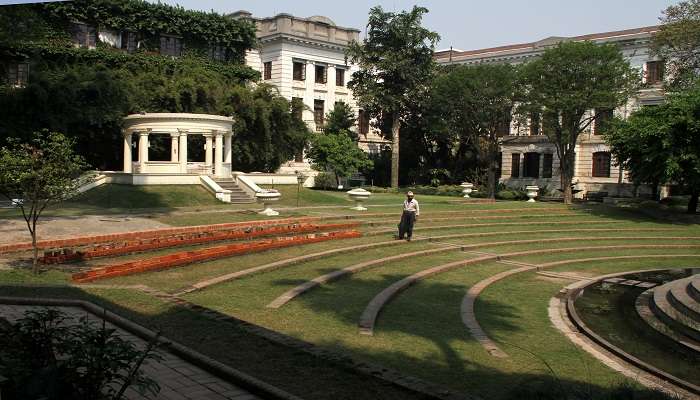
[409, 193]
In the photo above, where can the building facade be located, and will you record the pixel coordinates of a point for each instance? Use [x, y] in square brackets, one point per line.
[528, 157]
[304, 58]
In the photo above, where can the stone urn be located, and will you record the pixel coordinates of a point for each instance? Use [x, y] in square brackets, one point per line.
[468, 189]
[359, 195]
[266, 198]
[532, 192]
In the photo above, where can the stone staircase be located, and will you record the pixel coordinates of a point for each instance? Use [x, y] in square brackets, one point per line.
[238, 195]
[675, 310]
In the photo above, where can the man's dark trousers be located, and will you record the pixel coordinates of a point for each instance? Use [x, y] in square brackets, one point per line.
[408, 218]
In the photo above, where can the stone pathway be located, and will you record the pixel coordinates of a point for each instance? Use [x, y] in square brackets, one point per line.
[178, 379]
[15, 229]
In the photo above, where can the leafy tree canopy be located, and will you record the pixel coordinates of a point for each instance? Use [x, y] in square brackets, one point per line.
[469, 104]
[40, 172]
[337, 154]
[396, 64]
[566, 84]
[340, 120]
[662, 143]
[678, 41]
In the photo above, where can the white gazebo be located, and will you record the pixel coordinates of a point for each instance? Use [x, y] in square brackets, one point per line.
[216, 129]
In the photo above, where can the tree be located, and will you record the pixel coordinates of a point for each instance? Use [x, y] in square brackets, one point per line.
[678, 41]
[473, 102]
[396, 64]
[39, 173]
[338, 154]
[663, 142]
[268, 129]
[565, 84]
[340, 120]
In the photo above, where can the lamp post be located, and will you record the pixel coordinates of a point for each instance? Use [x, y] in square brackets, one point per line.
[300, 181]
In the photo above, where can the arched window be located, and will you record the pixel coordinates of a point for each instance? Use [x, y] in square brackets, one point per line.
[601, 164]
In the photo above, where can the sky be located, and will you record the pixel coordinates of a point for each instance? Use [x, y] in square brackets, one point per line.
[467, 24]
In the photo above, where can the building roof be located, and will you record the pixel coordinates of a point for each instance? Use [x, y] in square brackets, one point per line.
[552, 40]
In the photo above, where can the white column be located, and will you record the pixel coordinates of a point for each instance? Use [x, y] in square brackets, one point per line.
[173, 146]
[219, 155]
[228, 142]
[182, 148]
[208, 152]
[143, 150]
[227, 153]
[127, 152]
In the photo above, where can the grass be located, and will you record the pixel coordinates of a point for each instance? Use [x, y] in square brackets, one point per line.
[420, 331]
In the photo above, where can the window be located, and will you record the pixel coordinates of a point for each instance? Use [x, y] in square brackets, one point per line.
[218, 53]
[17, 74]
[532, 165]
[503, 126]
[655, 72]
[339, 77]
[534, 124]
[363, 122]
[515, 166]
[267, 70]
[318, 114]
[547, 159]
[603, 117]
[321, 75]
[601, 164]
[129, 41]
[170, 46]
[84, 36]
[299, 71]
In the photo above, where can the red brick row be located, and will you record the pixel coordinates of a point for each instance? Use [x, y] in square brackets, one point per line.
[133, 246]
[86, 240]
[189, 257]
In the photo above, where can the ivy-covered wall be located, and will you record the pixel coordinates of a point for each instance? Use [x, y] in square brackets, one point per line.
[86, 92]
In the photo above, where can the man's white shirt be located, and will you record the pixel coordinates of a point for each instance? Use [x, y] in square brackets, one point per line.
[412, 206]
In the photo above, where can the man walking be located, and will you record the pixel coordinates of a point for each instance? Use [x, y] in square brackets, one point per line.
[408, 218]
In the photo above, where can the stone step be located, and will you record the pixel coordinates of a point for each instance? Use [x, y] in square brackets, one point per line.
[644, 310]
[694, 287]
[675, 319]
[238, 195]
[682, 301]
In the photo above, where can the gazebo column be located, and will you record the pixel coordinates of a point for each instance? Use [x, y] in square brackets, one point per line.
[208, 152]
[219, 155]
[173, 146]
[182, 149]
[227, 153]
[143, 150]
[127, 152]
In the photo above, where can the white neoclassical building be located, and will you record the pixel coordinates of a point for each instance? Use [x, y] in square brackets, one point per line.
[527, 156]
[304, 58]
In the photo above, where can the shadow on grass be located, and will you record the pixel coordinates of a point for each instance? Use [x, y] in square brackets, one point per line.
[643, 212]
[230, 341]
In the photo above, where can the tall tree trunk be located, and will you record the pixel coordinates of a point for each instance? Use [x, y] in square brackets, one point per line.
[565, 179]
[395, 127]
[491, 179]
[693, 202]
[35, 249]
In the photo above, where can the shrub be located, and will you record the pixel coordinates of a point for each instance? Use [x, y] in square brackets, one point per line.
[325, 180]
[43, 357]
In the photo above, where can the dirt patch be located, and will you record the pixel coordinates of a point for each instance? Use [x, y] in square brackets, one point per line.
[15, 230]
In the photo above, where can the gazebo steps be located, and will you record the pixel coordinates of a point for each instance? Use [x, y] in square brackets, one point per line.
[672, 304]
[238, 195]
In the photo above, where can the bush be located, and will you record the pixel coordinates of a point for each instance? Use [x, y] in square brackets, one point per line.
[325, 180]
[511, 194]
[43, 357]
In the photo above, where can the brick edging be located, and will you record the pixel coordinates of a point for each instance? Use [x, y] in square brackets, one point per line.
[217, 368]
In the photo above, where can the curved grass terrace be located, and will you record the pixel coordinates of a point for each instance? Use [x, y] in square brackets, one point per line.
[419, 332]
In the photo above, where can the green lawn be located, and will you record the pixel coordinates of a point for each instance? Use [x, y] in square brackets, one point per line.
[420, 332]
